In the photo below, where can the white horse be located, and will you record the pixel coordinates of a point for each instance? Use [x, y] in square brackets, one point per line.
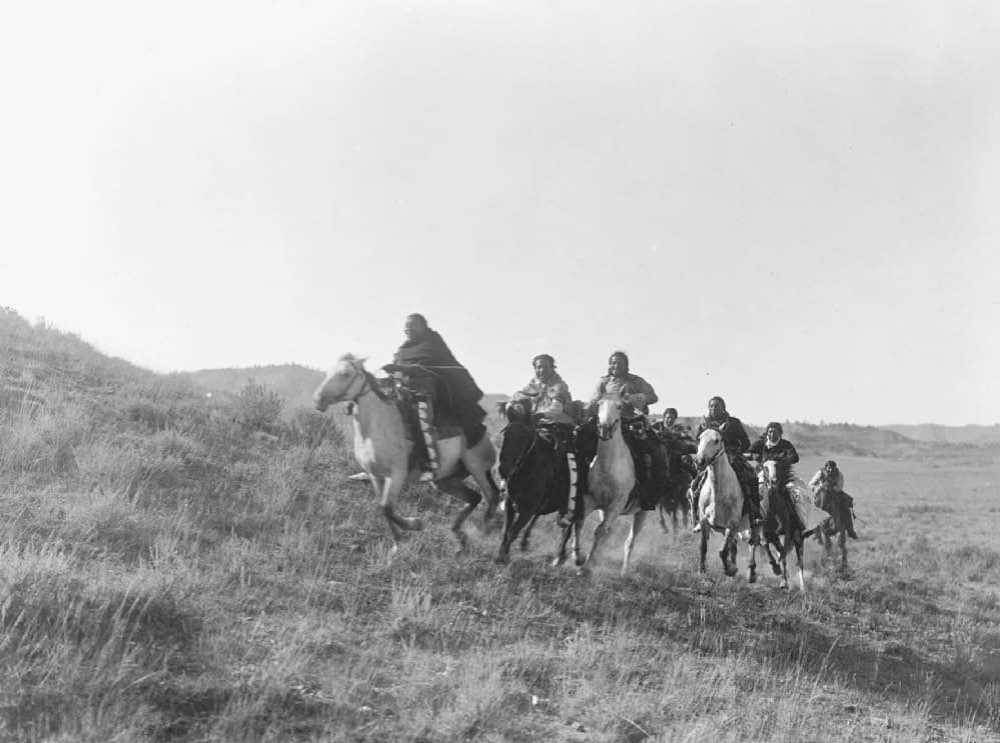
[610, 482]
[721, 505]
[382, 448]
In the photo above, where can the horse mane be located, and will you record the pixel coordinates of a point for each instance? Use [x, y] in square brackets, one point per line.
[350, 357]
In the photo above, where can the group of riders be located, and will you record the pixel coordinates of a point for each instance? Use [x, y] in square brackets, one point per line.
[444, 394]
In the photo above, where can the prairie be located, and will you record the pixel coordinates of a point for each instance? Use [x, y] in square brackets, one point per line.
[179, 568]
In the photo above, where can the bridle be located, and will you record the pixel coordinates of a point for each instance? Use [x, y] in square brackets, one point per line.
[367, 385]
[607, 431]
[712, 460]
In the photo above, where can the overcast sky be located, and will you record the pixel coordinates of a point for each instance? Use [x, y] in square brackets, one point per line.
[794, 204]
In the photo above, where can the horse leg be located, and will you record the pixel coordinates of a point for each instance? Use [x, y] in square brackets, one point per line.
[455, 487]
[485, 480]
[528, 531]
[660, 513]
[783, 552]
[752, 564]
[638, 518]
[577, 525]
[600, 532]
[770, 541]
[799, 562]
[729, 548]
[520, 520]
[386, 489]
[561, 552]
[842, 543]
[703, 548]
[508, 536]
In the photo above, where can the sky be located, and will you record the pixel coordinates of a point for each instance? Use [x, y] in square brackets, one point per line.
[792, 204]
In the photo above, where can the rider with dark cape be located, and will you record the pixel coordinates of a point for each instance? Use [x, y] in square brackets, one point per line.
[454, 392]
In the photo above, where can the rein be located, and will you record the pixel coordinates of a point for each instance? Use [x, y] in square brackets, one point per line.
[369, 384]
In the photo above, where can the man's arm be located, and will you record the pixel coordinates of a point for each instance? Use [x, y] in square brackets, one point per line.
[648, 392]
[528, 392]
[792, 456]
[757, 450]
[816, 480]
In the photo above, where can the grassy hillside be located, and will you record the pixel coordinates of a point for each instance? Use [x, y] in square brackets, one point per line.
[182, 568]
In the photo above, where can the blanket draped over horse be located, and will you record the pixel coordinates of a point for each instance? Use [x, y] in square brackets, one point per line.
[456, 395]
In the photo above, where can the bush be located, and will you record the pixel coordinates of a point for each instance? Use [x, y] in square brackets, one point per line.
[259, 408]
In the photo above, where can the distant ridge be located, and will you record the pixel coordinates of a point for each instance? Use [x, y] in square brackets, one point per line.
[969, 434]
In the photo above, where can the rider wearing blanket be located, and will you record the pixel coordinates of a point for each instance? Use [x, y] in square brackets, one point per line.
[829, 487]
[446, 391]
[648, 452]
[771, 447]
[736, 442]
[547, 401]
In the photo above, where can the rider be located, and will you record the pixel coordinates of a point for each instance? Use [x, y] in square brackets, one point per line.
[771, 447]
[736, 442]
[443, 387]
[638, 396]
[546, 393]
[828, 486]
[678, 441]
[546, 398]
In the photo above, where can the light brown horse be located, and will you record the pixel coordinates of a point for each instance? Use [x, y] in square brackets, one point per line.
[382, 448]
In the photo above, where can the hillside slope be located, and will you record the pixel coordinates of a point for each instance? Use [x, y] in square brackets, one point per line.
[182, 568]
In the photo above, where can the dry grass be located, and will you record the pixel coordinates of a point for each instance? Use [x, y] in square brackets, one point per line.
[167, 575]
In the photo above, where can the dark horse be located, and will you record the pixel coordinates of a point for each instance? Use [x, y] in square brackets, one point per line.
[781, 520]
[538, 477]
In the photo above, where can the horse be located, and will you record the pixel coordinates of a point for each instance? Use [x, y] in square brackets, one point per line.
[611, 481]
[675, 496]
[538, 482]
[833, 525]
[382, 448]
[721, 505]
[782, 518]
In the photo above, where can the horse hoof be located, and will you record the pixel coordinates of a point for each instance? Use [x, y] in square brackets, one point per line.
[752, 578]
[557, 561]
[730, 572]
[523, 546]
[776, 570]
[502, 558]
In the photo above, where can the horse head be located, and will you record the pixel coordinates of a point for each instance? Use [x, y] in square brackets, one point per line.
[346, 381]
[710, 447]
[517, 411]
[609, 415]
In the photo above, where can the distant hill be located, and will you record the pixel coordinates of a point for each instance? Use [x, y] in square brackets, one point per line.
[969, 434]
[293, 382]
